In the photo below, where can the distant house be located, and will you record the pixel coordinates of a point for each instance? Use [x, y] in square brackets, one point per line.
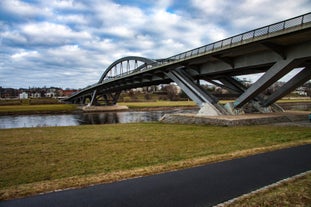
[301, 91]
[23, 95]
[68, 93]
[36, 95]
[50, 94]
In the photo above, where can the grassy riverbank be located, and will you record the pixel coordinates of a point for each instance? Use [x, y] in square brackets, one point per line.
[35, 160]
[294, 192]
[68, 108]
[157, 104]
[37, 109]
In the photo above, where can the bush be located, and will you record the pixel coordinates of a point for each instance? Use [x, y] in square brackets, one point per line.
[10, 102]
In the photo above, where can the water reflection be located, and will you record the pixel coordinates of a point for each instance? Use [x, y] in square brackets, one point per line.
[83, 118]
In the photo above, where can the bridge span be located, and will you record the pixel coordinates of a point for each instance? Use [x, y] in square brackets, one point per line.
[273, 50]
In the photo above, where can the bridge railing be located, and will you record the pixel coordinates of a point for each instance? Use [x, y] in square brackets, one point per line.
[263, 31]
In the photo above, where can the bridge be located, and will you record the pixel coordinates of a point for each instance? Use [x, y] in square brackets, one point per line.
[273, 50]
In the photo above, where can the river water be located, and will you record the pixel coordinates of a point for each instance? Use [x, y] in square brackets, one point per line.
[42, 120]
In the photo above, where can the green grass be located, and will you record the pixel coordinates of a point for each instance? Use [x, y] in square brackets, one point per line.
[53, 108]
[134, 105]
[295, 192]
[151, 104]
[45, 108]
[55, 155]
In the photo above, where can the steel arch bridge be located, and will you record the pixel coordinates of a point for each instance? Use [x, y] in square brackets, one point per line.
[118, 69]
[273, 50]
[126, 65]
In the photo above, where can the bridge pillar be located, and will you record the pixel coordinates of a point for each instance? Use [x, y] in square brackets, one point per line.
[228, 83]
[278, 70]
[208, 103]
[93, 99]
[233, 84]
[109, 98]
[299, 79]
[295, 56]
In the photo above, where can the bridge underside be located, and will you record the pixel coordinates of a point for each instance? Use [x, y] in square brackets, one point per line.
[273, 56]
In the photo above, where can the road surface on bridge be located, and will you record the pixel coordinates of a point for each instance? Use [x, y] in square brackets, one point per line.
[199, 186]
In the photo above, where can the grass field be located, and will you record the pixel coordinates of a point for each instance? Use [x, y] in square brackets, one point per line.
[43, 159]
[295, 192]
[136, 105]
[35, 109]
[61, 108]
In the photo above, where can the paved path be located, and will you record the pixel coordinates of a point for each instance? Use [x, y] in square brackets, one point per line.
[200, 186]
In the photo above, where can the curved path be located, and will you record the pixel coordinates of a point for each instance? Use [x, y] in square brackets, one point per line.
[199, 186]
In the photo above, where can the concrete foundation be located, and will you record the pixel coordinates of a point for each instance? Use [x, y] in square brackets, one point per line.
[103, 108]
[239, 120]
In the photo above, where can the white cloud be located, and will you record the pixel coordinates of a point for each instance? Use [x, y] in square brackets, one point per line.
[23, 9]
[212, 7]
[25, 54]
[74, 18]
[61, 41]
[112, 14]
[47, 33]
[13, 36]
[66, 4]
[244, 15]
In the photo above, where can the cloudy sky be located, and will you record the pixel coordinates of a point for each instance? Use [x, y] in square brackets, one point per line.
[70, 43]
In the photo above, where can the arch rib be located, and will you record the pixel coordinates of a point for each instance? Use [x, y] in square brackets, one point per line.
[144, 60]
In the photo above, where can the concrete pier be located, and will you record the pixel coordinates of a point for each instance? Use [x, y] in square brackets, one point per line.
[103, 108]
[239, 120]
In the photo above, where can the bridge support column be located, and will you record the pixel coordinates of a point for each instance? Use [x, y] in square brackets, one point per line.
[302, 77]
[233, 84]
[208, 103]
[111, 98]
[228, 83]
[278, 70]
[93, 99]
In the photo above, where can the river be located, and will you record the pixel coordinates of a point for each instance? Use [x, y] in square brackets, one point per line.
[44, 120]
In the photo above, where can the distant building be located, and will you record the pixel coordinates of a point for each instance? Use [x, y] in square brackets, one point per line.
[301, 91]
[23, 95]
[67, 93]
[50, 94]
[36, 95]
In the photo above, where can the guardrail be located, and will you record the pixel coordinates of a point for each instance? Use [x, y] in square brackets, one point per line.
[263, 31]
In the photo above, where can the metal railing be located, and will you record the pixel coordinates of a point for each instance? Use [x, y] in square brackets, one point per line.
[260, 32]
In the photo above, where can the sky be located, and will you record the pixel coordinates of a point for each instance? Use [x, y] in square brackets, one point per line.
[70, 43]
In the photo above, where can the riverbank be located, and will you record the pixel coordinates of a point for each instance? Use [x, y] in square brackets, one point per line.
[71, 108]
[132, 106]
[53, 158]
[37, 109]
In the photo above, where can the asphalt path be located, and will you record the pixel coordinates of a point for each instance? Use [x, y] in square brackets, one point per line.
[199, 186]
